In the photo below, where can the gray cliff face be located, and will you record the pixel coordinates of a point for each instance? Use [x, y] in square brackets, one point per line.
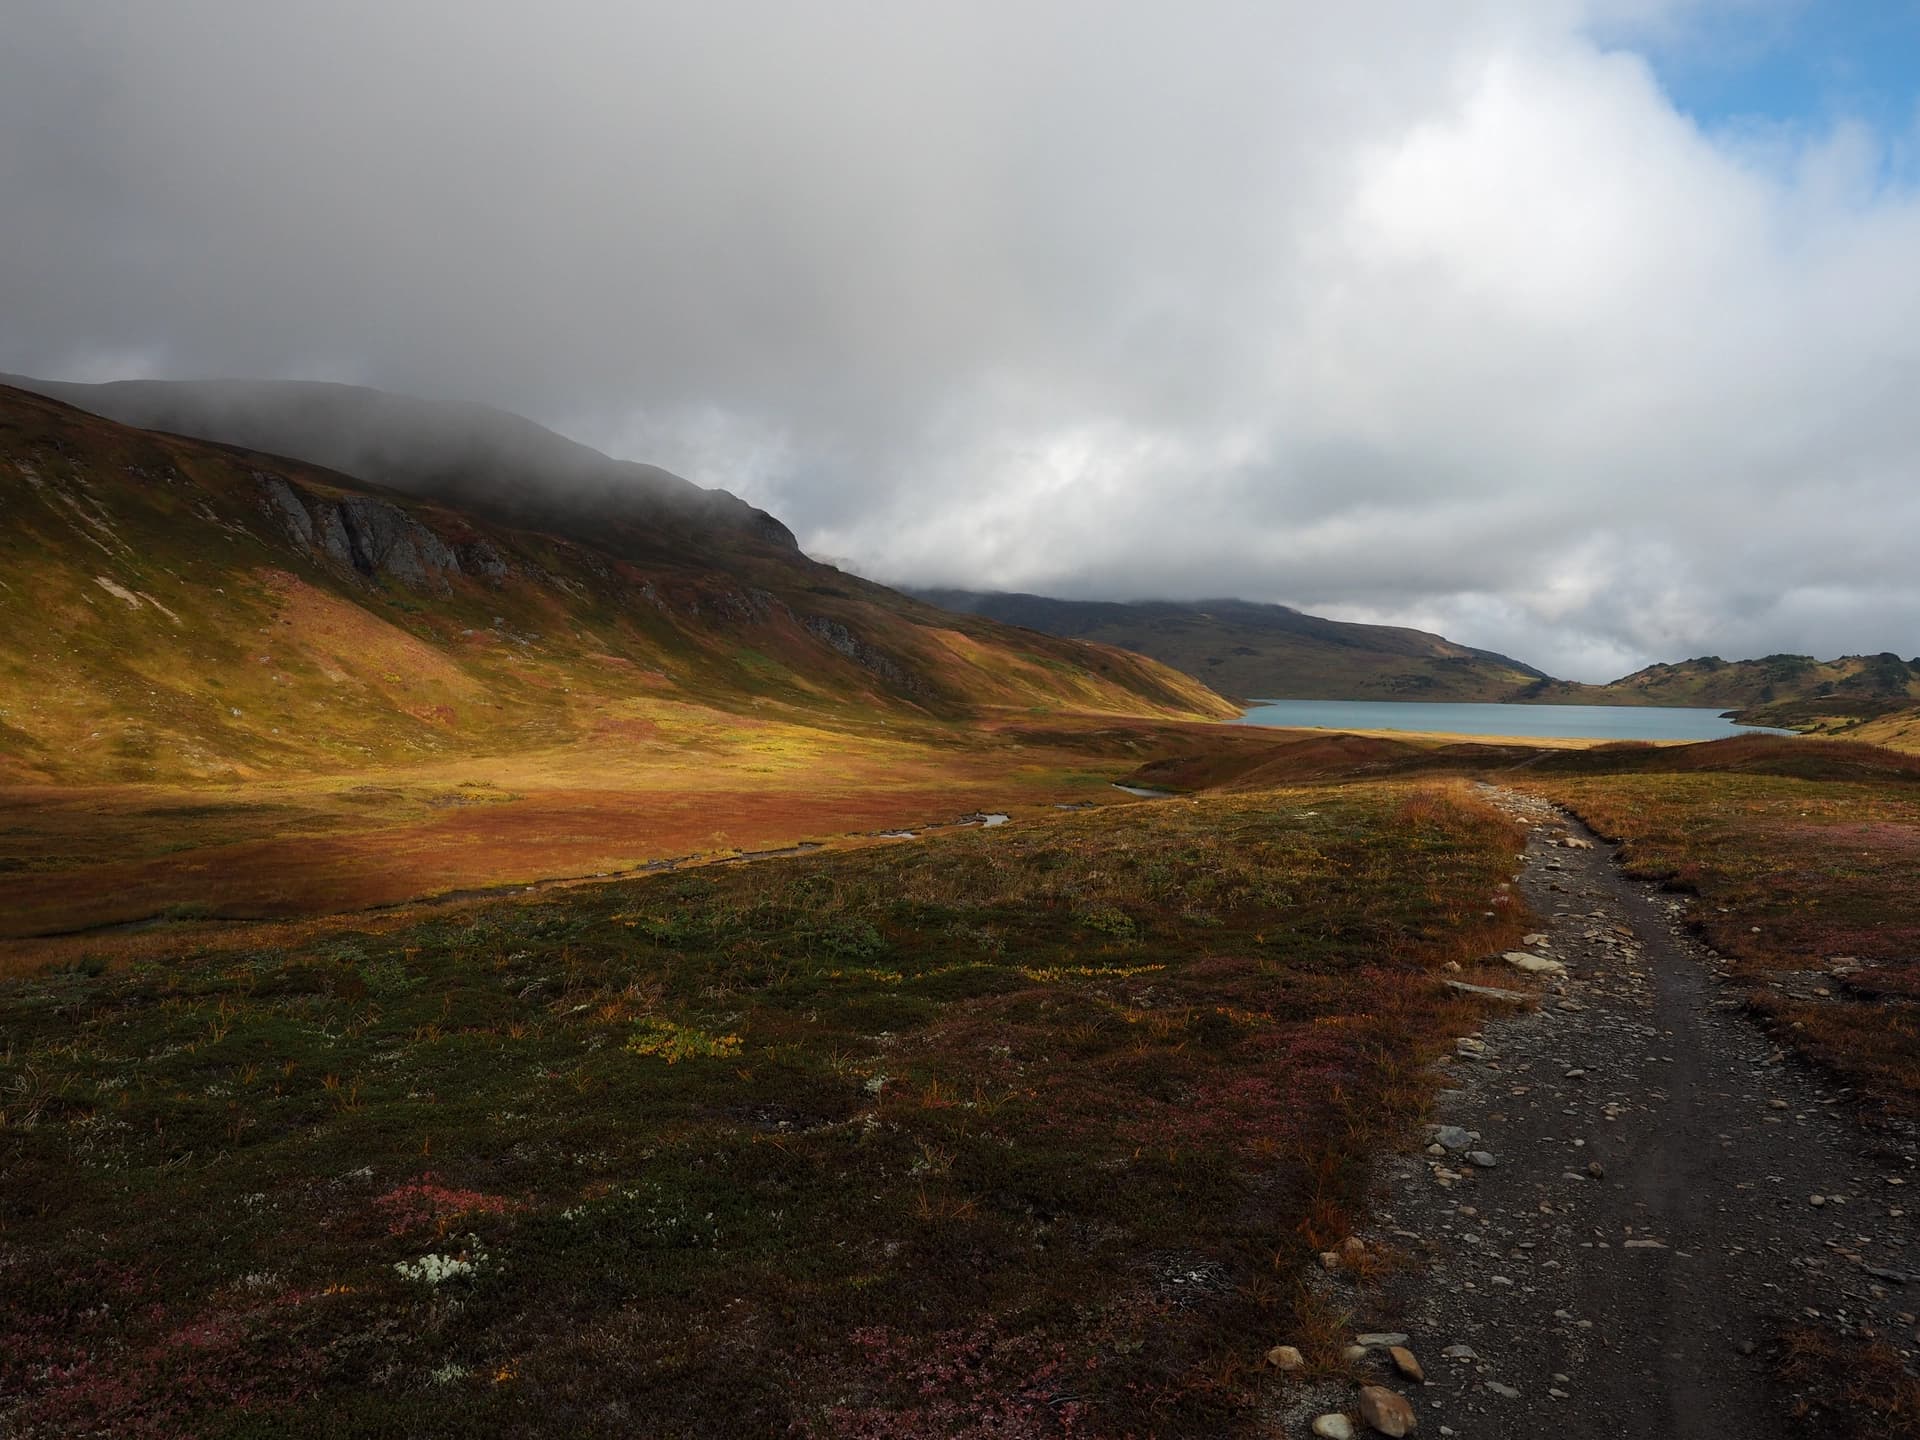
[866, 656]
[376, 538]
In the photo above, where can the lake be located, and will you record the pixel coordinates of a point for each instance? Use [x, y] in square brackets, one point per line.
[1562, 722]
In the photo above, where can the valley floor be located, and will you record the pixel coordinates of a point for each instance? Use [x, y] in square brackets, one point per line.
[79, 858]
[1039, 1130]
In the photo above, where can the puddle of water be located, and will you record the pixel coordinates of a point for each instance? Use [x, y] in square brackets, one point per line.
[1144, 793]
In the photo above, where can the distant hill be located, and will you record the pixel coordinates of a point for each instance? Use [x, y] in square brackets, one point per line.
[1787, 690]
[1267, 652]
[176, 609]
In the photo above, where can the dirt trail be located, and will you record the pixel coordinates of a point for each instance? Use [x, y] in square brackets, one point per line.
[1622, 1267]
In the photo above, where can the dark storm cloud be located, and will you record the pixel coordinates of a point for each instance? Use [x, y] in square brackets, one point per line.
[1429, 313]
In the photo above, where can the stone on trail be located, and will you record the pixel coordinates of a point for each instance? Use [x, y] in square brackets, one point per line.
[1381, 1339]
[1333, 1427]
[1386, 1411]
[1460, 1352]
[1490, 992]
[1407, 1363]
[1533, 964]
[1483, 1158]
[1451, 1136]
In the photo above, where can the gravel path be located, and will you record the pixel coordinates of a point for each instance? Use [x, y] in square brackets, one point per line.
[1649, 1216]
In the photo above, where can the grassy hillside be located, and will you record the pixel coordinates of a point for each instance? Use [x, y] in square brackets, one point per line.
[237, 686]
[172, 610]
[1267, 651]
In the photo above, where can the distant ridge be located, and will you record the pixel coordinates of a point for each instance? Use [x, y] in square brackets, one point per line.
[1797, 691]
[1267, 652]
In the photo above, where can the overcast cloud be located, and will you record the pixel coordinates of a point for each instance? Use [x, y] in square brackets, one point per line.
[1438, 313]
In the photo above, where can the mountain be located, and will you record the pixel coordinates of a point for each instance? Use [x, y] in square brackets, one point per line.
[482, 460]
[174, 609]
[1785, 690]
[1267, 652]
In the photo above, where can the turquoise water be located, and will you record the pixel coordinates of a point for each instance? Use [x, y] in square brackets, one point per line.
[1579, 722]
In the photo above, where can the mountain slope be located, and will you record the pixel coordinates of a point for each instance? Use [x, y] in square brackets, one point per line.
[1266, 651]
[172, 609]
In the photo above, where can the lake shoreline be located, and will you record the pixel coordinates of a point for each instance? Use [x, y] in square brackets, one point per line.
[1485, 721]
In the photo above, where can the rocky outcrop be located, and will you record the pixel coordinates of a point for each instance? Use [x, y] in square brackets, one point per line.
[377, 538]
[478, 557]
[866, 656]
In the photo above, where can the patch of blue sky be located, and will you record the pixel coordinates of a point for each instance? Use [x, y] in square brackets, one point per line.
[1751, 72]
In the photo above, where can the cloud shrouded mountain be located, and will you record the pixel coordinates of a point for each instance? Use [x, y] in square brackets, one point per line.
[1434, 315]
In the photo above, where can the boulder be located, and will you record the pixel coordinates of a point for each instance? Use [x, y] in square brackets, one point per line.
[1386, 1412]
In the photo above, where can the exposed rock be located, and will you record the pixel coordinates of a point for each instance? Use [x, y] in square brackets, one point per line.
[1533, 964]
[1490, 992]
[373, 537]
[386, 540]
[1406, 1363]
[280, 501]
[1285, 1357]
[1505, 1392]
[1386, 1411]
[1381, 1339]
[1333, 1427]
[1460, 1352]
[1451, 1136]
[839, 637]
[478, 557]
[1483, 1158]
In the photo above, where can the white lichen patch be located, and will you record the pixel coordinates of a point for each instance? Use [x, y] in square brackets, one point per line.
[436, 1269]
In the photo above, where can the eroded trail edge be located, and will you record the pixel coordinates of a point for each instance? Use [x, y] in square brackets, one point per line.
[1656, 1192]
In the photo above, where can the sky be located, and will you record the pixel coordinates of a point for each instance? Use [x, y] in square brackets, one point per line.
[1585, 330]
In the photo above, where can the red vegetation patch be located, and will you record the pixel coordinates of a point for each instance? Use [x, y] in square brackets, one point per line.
[427, 1205]
[976, 1384]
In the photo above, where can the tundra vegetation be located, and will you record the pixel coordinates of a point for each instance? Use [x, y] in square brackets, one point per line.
[1035, 1130]
[1025, 1131]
